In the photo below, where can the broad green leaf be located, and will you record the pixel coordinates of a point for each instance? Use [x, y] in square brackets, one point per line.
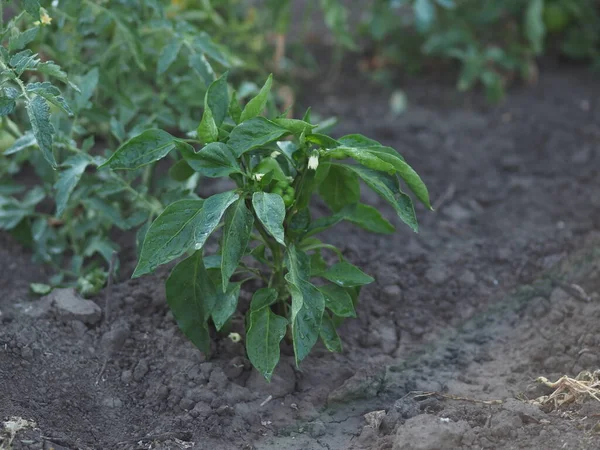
[25, 141]
[338, 300]
[181, 170]
[170, 235]
[295, 126]
[146, 148]
[366, 158]
[370, 219]
[535, 29]
[389, 189]
[50, 93]
[254, 133]
[340, 188]
[236, 235]
[20, 40]
[217, 99]
[191, 296]
[265, 332]
[32, 7]
[424, 14]
[7, 106]
[68, 179]
[256, 106]
[205, 44]
[87, 85]
[11, 214]
[308, 303]
[39, 117]
[235, 110]
[53, 70]
[317, 265]
[215, 160]
[210, 216]
[346, 275]
[24, 60]
[358, 140]
[207, 130]
[270, 210]
[322, 140]
[329, 335]
[168, 55]
[225, 305]
[199, 63]
[404, 171]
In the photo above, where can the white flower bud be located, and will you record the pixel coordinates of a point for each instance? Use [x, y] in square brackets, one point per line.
[275, 154]
[313, 162]
[258, 176]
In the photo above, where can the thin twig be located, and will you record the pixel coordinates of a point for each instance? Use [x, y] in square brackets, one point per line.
[446, 196]
[455, 397]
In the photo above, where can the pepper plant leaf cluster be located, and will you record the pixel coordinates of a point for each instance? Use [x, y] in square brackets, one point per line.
[263, 224]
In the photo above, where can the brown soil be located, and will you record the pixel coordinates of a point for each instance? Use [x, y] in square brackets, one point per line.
[472, 306]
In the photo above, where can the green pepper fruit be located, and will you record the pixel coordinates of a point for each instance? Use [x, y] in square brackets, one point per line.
[288, 200]
[278, 191]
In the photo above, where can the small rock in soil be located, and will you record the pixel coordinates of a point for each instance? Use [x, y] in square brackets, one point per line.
[112, 402]
[316, 429]
[429, 432]
[391, 293]
[359, 386]
[437, 274]
[126, 376]
[140, 371]
[457, 212]
[69, 305]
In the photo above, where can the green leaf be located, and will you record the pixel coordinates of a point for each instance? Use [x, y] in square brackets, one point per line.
[366, 158]
[168, 55]
[295, 126]
[181, 170]
[170, 235]
[338, 300]
[389, 189]
[270, 211]
[236, 235]
[217, 99]
[404, 171]
[235, 110]
[205, 44]
[20, 40]
[211, 214]
[215, 160]
[265, 332]
[329, 335]
[308, 303]
[40, 288]
[370, 219]
[32, 7]
[50, 93]
[146, 148]
[25, 141]
[39, 117]
[256, 106]
[535, 29]
[254, 133]
[424, 14]
[207, 130]
[345, 274]
[225, 305]
[358, 140]
[191, 296]
[199, 63]
[322, 140]
[68, 179]
[87, 84]
[340, 188]
[53, 70]
[7, 106]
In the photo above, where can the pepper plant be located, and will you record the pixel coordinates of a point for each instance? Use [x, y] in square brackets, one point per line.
[264, 222]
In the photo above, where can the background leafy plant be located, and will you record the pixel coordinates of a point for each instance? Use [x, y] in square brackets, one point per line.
[267, 232]
[492, 42]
